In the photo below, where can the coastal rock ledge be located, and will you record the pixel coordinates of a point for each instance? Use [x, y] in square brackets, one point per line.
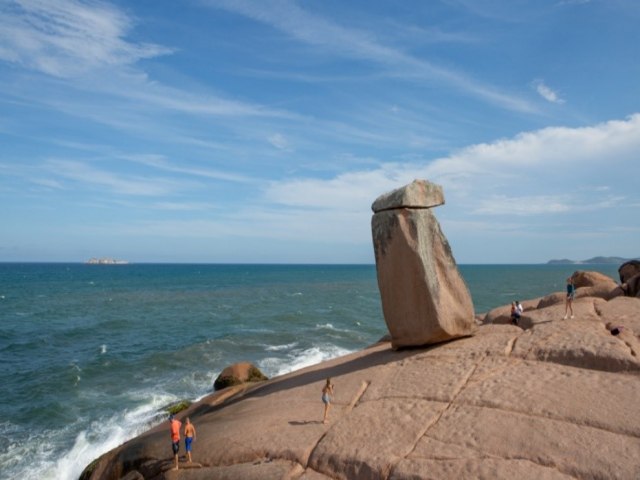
[558, 400]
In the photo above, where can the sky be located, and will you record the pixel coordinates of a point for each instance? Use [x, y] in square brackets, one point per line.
[238, 131]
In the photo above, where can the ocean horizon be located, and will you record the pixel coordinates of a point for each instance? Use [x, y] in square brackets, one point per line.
[93, 354]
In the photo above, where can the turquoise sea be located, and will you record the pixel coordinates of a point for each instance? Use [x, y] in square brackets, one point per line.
[91, 354]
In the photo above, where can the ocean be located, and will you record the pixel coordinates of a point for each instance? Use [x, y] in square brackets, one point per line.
[92, 354]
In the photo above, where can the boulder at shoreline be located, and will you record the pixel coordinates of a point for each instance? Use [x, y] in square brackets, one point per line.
[556, 399]
[237, 374]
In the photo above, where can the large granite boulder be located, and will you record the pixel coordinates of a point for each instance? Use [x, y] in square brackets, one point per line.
[632, 287]
[237, 374]
[630, 277]
[424, 298]
[629, 269]
[583, 278]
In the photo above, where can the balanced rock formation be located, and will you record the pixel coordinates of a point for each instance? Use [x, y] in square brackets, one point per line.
[424, 298]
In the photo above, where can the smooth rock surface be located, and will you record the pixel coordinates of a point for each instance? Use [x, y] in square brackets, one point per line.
[557, 400]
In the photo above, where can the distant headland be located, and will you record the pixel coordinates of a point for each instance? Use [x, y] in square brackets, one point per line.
[594, 260]
[106, 261]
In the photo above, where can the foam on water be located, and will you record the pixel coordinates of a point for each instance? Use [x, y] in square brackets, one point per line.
[279, 348]
[39, 457]
[298, 359]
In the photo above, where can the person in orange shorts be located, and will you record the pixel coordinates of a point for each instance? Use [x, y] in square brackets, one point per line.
[175, 425]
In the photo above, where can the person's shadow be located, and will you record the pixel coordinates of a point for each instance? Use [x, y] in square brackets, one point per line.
[306, 422]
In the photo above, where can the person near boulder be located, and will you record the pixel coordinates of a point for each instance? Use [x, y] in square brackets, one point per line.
[189, 436]
[516, 312]
[175, 425]
[327, 393]
[571, 293]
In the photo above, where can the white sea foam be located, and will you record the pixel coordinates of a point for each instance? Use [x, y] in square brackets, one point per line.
[326, 325]
[37, 458]
[300, 359]
[103, 349]
[330, 326]
[279, 348]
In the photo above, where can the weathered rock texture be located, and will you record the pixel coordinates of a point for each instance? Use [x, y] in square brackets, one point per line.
[238, 373]
[558, 400]
[630, 278]
[424, 298]
[629, 269]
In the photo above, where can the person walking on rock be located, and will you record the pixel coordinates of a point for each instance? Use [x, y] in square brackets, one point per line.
[175, 437]
[571, 292]
[189, 436]
[327, 393]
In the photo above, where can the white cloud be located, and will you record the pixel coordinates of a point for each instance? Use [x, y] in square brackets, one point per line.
[547, 93]
[324, 34]
[562, 3]
[161, 163]
[524, 205]
[68, 37]
[109, 182]
[279, 141]
[477, 175]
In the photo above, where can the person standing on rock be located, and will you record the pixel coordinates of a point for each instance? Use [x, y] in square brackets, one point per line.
[189, 436]
[516, 312]
[571, 292]
[327, 393]
[175, 425]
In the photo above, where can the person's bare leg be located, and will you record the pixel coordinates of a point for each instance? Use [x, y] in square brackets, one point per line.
[176, 462]
[189, 455]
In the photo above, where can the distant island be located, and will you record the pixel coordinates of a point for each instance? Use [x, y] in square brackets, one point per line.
[106, 261]
[594, 260]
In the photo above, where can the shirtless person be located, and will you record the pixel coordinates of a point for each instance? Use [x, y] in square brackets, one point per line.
[189, 436]
[175, 437]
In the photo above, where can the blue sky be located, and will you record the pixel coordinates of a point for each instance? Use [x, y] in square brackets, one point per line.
[262, 131]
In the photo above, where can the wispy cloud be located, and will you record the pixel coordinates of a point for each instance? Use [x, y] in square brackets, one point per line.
[68, 37]
[162, 163]
[84, 42]
[89, 176]
[547, 93]
[563, 3]
[472, 175]
[324, 34]
[279, 141]
[523, 205]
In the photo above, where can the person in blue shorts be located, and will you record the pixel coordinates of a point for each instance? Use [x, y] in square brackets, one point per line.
[189, 436]
[327, 393]
[571, 293]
